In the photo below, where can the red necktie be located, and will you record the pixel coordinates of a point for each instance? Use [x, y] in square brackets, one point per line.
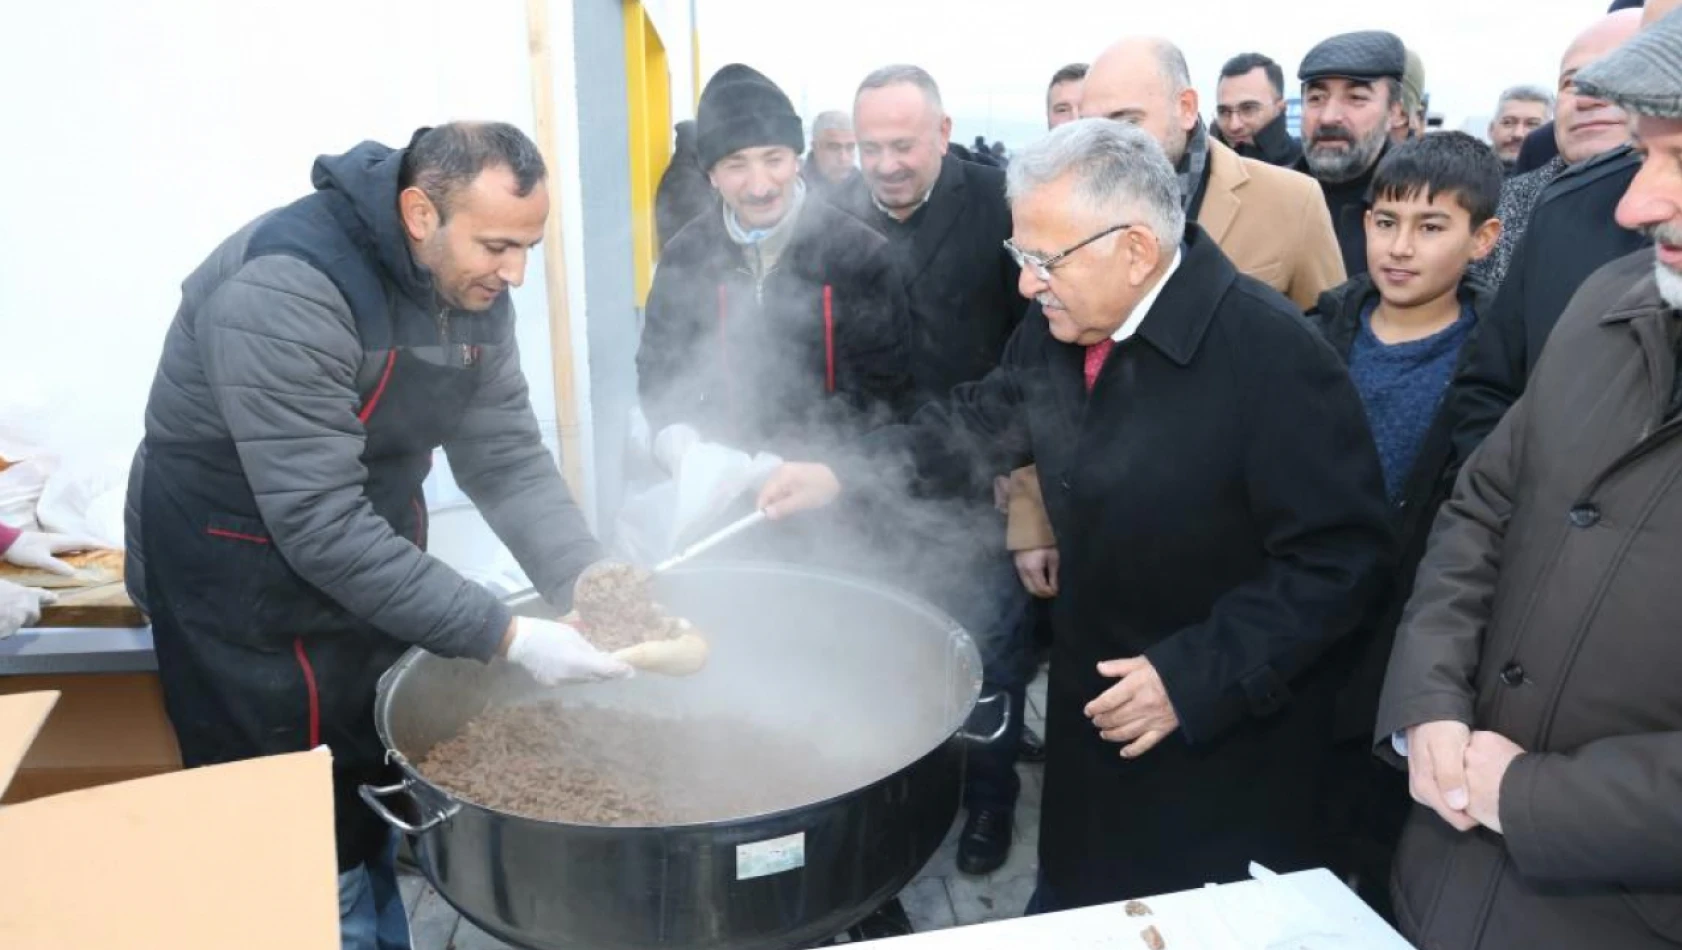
[1095, 356]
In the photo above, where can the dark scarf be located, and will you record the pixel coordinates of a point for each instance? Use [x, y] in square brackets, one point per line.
[1193, 169]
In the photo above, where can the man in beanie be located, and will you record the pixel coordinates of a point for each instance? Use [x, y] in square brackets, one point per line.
[776, 322]
[1532, 690]
[1352, 97]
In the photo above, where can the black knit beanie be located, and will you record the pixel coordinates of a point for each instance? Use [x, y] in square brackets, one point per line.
[740, 109]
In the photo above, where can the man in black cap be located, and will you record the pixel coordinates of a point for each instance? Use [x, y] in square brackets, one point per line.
[1351, 98]
[776, 322]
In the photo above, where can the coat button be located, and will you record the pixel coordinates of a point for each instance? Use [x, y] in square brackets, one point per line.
[1585, 515]
[1512, 674]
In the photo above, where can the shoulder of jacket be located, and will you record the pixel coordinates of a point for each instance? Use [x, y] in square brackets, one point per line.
[289, 276]
[1620, 161]
[1253, 312]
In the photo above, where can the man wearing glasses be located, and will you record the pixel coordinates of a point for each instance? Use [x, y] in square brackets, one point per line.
[1250, 111]
[1218, 500]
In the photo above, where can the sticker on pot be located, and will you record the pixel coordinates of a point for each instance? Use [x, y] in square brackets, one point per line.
[765, 858]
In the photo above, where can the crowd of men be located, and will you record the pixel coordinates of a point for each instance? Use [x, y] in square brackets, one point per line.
[1231, 387]
[1337, 472]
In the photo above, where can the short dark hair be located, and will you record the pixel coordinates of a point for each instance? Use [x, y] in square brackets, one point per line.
[1243, 63]
[1074, 72]
[442, 161]
[1443, 163]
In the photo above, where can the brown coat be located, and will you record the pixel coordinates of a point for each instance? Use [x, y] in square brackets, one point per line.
[1547, 610]
[1272, 223]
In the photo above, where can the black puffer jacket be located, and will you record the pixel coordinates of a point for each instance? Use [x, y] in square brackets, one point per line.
[804, 358]
[1571, 234]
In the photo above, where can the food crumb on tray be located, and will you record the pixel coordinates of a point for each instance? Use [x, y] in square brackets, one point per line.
[1137, 909]
[1153, 939]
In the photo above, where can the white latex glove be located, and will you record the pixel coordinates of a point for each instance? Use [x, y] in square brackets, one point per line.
[672, 444]
[554, 653]
[20, 606]
[35, 549]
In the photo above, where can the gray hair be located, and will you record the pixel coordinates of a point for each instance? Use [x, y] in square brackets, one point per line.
[831, 121]
[1526, 93]
[1172, 62]
[904, 74]
[1118, 167]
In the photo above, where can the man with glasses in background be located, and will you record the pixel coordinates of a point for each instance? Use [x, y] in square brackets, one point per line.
[1250, 111]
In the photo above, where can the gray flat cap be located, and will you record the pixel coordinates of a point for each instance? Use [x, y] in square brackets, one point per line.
[1643, 76]
[1367, 55]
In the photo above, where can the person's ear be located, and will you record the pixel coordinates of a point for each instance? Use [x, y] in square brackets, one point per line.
[420, 215]
[1188, 110]
[1484, 238]
[1143, 252]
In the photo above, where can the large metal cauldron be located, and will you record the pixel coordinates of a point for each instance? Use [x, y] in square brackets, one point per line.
[871, 675]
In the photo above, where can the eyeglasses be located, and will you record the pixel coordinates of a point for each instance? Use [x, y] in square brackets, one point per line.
[1042, 266]
[1249, 110]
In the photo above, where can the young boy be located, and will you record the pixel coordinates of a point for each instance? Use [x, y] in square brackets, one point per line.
[1402, 327]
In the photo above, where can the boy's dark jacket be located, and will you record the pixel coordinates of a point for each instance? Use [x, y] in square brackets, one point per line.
[1337, 316]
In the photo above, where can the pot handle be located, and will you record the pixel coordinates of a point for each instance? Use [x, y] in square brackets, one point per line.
[976, 738]
[372, 796]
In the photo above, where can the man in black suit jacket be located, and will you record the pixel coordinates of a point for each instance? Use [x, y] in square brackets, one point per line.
[947, 220]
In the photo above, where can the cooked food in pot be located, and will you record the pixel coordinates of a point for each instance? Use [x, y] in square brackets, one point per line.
[596, 766]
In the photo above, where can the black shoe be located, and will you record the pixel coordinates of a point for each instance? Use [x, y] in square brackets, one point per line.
[985, 843]
[1032, 748]
[889, 920]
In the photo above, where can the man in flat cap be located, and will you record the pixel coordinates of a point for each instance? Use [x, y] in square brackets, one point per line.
[1533, 687]
[1351, 99]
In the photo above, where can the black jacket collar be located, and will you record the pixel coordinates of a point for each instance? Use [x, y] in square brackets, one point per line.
[1181, 316]
[1337, 314]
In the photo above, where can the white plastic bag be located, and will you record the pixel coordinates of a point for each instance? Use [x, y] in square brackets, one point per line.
[21, 486]
[85, 500]
[708, 480]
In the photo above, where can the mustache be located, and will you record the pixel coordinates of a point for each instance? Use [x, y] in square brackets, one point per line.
[897, 178]
[760, 201]
[1334, 134]
[1046, 300]
[1668, 233]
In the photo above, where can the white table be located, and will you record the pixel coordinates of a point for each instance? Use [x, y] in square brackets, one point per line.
[1307, 910]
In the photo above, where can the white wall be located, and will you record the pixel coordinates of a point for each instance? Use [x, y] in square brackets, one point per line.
[142, 135]
[159, 130]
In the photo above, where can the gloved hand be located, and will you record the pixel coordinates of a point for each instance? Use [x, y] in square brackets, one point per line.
[35, 549]
[554, 653]
[20, 607]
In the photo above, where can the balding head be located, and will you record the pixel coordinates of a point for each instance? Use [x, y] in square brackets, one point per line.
[1605, 35]
[1144, 80]
[1585, 127]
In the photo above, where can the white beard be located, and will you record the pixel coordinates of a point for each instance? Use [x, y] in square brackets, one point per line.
[1670, 285]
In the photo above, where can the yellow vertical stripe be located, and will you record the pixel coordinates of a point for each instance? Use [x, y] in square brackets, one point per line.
[648, 87]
